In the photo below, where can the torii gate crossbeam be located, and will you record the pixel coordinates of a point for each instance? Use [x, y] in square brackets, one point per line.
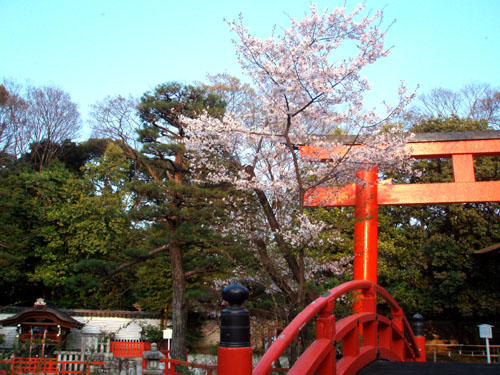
[461, 147]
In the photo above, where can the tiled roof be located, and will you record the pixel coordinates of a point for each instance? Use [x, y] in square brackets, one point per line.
[89, 313]
[60, 317]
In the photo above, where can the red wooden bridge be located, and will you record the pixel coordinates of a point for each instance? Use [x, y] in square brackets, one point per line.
[382, 337]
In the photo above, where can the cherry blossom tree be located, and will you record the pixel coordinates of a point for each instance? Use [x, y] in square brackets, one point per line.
[308, 86]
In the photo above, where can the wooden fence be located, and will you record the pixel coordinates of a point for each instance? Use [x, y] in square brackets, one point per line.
[19, 365]
[129, 349]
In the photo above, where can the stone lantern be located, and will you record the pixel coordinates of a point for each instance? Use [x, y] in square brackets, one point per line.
[151, 360]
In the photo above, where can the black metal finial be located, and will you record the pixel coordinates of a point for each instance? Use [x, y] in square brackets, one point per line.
[235, 319]
[235, 294]
[418, 325]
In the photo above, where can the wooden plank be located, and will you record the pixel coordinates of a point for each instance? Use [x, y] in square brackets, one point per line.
[433, 150]
[437, 193]
[422, 150]
[463, 168]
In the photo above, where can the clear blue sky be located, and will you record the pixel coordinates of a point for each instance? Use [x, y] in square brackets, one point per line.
[95, 48]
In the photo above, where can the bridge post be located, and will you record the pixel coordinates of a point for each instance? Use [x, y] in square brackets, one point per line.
[419, 332]
[325, 329]
[234, 355]
[369, 329]
[398, 345]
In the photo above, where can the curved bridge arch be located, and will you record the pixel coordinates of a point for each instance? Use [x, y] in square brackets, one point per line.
[382, 338]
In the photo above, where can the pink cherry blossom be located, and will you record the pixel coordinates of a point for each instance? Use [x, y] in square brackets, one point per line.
[309, 86]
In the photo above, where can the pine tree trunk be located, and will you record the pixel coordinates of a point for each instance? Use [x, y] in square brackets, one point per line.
[179, 305]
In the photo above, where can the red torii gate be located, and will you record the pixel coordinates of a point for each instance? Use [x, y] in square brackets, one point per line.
[365, 335]
[461, 147]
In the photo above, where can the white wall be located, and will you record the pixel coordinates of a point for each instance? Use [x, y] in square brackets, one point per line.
[122, 328]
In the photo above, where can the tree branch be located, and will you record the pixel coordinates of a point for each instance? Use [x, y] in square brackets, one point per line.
[151, 254]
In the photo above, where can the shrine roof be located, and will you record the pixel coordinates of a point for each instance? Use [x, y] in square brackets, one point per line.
[43, 314]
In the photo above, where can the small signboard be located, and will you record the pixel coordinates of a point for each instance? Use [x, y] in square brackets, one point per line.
[485, 331]
[167, 333]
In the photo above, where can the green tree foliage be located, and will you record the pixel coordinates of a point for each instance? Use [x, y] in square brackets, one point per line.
[174, 212]
[17, 234]
[54, 219]
[97, 229]
[73, 155]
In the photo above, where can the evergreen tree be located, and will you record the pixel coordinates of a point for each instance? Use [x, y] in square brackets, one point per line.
[166, 201]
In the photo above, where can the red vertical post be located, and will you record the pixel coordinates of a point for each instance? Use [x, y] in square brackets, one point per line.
[366, 225]
[419, 332]
[325, 329]
[421, 348]
[369, 329]
[397, 342]
[234, 355]
[234, 361]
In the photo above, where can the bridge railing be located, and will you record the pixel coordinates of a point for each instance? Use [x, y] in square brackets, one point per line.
[361, 337]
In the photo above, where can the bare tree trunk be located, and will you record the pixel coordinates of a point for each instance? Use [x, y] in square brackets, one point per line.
[179, 305]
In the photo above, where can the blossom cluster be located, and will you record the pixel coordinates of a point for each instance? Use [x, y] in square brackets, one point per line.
[308, 86]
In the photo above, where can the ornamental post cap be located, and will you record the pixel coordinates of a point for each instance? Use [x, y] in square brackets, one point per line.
[235, 294]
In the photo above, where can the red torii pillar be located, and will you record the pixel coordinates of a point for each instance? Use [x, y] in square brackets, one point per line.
[367, 195]
[366, 225]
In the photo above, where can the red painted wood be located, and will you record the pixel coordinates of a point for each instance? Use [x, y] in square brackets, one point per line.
[431, 150]
[313, 357]
[370, 333]
[463, 190]
[463, 168]
[398, 345]
[329, 364]
[349, 323]
[20, 365]
[325, 329]
[351, 365]
[369, 301]
[351, 342]
[437, 193]
[421, 348]
[366, 195]
[422, 150]
[127, 349]
[234, 361]
[357, 352]
[325, 324]
[366, 225]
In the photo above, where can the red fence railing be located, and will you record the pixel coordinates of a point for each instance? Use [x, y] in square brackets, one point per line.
[18, 365]
[129, 349]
